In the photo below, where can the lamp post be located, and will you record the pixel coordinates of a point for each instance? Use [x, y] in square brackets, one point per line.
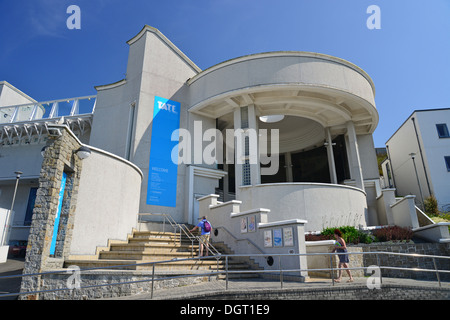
[7, 226]
[413, 155]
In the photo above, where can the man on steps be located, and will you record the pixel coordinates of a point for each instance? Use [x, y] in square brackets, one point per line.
[205, 227]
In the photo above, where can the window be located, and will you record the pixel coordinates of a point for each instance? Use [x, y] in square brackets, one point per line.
[442, 130]
[30, 207]
[447, 162]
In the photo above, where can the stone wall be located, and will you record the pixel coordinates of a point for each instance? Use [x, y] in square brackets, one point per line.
[132, 283]
[437, 249]
[359, 260]
[59, 158]
[387, 292]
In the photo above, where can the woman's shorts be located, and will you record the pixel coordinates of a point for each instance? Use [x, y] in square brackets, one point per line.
[343, 258]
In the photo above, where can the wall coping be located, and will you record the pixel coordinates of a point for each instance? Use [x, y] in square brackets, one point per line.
[222, 204]
[252, 211]
[328, 185]
[319, 243]
[281, 223]
[402, 200]
[111, 155]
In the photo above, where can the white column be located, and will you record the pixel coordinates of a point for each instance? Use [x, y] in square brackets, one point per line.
[331, 163]
[289, 171]
[255, 170]
[354, 160]
[237, 154]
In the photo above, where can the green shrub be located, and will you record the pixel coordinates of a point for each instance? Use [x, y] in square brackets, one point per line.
[349, 234]
[431, 206]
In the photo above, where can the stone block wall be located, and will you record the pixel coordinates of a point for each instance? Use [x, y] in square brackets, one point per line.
[59, 158]
[436, 249]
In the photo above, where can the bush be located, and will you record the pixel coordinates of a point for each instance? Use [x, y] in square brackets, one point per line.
[349, 234]
[431, 206]
[317, 237]
[393, 233]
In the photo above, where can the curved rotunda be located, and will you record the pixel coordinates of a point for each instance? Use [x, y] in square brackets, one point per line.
[323, 108]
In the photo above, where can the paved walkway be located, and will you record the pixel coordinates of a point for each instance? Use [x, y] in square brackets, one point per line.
[12, 266]
[201, 291]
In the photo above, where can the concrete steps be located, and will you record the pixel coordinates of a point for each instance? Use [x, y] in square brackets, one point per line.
[150, 246]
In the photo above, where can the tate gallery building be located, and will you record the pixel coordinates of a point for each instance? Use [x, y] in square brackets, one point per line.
[282, 138]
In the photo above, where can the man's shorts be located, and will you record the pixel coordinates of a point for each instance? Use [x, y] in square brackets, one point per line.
[205, 238]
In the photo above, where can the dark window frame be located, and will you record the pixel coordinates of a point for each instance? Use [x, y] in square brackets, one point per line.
[447, 162]
[442, 130]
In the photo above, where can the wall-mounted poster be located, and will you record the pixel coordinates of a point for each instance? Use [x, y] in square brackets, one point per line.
[244, 225]
[288, 237]
[277, 238]
[252, 224]
[268, 238]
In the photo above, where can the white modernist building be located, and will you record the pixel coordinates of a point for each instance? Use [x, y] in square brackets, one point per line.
[278, 142]
[418, 160]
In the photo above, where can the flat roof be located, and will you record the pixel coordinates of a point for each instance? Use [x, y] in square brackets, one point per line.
[419, 110]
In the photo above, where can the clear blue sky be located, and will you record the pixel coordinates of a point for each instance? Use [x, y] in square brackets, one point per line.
[408, 58]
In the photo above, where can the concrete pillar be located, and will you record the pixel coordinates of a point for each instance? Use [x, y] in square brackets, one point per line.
[354, 159]
[389, 200]
[289, 165]
[331, 163]
[255, 170]
[238, 150]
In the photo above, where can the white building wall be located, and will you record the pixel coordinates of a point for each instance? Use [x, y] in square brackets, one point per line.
[9, 95]
[400, 146]
[155, 68]
[431, 170]
[435, 149]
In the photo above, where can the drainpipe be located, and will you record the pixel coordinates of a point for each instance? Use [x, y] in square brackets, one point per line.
[421, 156]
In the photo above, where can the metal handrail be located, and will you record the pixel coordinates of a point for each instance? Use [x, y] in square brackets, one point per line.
[244, 239]
[227, 271]
[193, 238]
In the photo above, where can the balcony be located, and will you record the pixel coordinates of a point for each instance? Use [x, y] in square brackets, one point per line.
[28, 123]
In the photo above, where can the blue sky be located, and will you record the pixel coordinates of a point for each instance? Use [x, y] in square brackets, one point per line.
[408, 58]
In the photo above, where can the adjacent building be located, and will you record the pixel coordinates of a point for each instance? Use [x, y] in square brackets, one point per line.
[418, 160]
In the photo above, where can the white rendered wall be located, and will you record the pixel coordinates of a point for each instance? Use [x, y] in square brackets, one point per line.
[107, 202]
[435, 150]
[155, 68]
[400, 146]
[322, 205]
[9, 95]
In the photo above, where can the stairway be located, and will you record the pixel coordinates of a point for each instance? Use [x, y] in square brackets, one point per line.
[151, 246]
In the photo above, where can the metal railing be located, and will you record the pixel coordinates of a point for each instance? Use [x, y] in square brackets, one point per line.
[47, 109]
[183, 229]
[280, 272]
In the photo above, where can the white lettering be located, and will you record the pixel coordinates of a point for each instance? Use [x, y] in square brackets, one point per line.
[167, 107]
[74, 21]
[374, 281]
[374, 21]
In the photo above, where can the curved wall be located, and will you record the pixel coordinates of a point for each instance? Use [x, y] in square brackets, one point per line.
[311, 69]
[107, 201]
[322, 205]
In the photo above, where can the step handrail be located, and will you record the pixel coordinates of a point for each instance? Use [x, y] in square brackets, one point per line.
[193, 238]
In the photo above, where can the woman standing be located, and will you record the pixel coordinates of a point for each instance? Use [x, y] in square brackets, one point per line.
[340, 246]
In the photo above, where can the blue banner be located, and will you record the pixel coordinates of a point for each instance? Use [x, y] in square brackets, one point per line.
[58, 213]
[162, 172]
